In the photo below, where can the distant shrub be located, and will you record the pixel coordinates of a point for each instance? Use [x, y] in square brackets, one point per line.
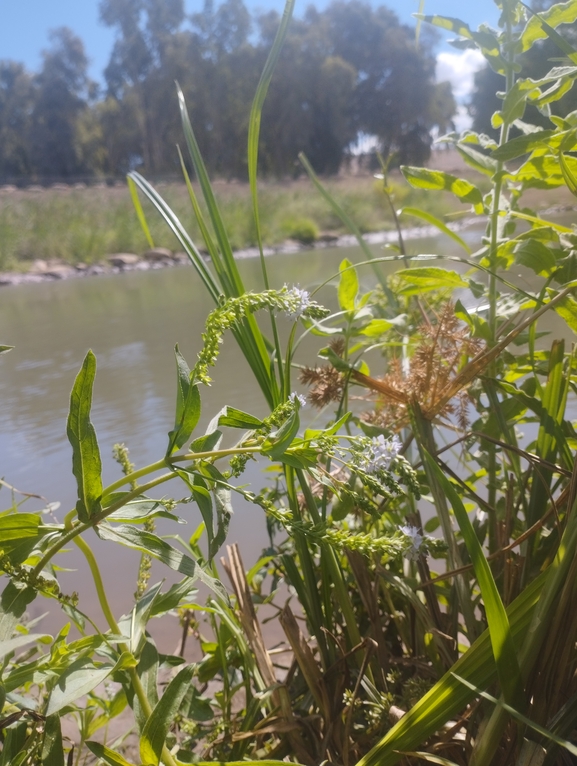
[303, 230]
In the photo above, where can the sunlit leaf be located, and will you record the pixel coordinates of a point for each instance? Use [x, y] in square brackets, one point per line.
[86, 463]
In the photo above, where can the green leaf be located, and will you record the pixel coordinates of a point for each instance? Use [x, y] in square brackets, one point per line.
[17, 527]
[499, 629]
[465, 191]
[13, 602]
[516, 147]
[376, 328]
[560, 13]
[567, 310]
[86, 463]
[234, 418]
[536, 256]
[448, 696]
[107, 755]
[79, 678]
[437, 223]
[519, 716]
[348, 285]
[181, 592]
[52, 749]
[345, 218]
[5, 349]
[425, 278]
[477, 160]
[206, 443]
[12, 644]
[187, 406]
[157, 726]
[277, 444]
[137, 510]
[568, 173]
[139, 211]
[448, 23]
[147, 542]
[254, 123]
[147, 670]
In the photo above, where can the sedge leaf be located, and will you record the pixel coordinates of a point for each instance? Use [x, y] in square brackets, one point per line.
[499, 629]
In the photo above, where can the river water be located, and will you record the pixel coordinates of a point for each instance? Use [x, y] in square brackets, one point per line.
[131, 322]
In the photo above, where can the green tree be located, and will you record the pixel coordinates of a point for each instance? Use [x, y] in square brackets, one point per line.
[62, 91]
[16, 101]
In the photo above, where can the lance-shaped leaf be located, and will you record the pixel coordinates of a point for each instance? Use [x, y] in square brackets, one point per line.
[348, 286]
[5, 349]
[86, 463]
[425, 278]
[147, 542]
[156, 728]
[107, 755]
[52, 750]
[77, 680]
[438, 224]
[187, 406]
[465, 191]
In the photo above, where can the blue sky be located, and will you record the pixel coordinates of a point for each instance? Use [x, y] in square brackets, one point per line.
[24, 24]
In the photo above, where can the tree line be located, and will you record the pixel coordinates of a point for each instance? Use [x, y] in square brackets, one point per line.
[345, 72]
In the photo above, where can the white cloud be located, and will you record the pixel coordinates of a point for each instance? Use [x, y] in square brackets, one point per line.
[459, 69]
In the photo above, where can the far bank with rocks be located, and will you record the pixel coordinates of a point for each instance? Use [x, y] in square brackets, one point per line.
[161, 257]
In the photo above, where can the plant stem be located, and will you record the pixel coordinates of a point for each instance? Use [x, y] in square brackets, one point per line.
[113, 625]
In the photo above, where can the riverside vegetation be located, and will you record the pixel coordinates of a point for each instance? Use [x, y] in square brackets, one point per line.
[458, 648]
[84, 225]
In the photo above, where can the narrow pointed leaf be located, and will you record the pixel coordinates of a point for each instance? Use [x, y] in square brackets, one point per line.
[348, 286]
[86, 463]
[438, 224]
[158, 725]
[139, 211]
[147, 542]
[107, 755]
[187, 406]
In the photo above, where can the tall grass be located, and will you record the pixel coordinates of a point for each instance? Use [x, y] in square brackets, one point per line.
[84, 225]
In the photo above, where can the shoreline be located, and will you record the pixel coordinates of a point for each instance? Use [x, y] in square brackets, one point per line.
[161, 258]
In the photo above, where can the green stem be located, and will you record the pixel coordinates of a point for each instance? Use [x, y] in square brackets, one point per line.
[139, 690]
[78, 529]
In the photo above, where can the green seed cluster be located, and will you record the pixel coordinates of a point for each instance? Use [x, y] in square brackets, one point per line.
[234, 310]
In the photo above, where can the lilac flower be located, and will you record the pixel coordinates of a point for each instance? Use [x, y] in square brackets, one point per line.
[382, 453]
[294, 398]
[416, 539]
[300, 300]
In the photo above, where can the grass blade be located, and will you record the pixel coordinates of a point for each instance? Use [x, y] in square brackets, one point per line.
[179, 232]
[437, 223]
[345, 218]
[139, 211]
[501, 640]
[448, 697]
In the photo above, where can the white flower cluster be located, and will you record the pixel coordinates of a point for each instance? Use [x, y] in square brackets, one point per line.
[294, 398]
[381, 454]
[416, 538]
[303, 301]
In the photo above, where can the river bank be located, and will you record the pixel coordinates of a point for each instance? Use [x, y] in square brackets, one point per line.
[161, 258]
